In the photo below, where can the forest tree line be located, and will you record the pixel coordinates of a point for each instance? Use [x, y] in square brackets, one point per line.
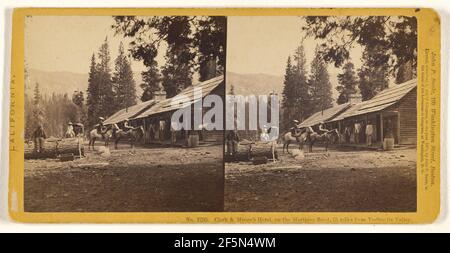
[107, 92]
[389, 47]
[194, 45]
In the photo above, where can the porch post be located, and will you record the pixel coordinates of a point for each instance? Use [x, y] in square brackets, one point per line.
[381, 128]
[339, 126]
[398, 128]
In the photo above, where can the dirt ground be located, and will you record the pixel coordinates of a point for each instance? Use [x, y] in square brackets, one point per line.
[337, 181]
[147, 180]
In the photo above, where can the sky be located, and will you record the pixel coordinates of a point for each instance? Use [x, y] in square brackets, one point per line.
[254, 44]
[66, 43]
[263, 44]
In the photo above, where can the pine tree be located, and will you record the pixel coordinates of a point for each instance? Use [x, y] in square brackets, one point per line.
[210, 39]
[394, 38]
[177, 72]
[203, 35]
[405, 73]
[373, 75]
[319, 82]
[123, 82]
[105, 87]
[301, 106]
[78, 100]
[93, 94]
[347, 83]
[151, 80]
[38, 112]
[287, 104]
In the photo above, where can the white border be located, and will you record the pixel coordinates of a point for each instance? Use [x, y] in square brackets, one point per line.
[442, 224]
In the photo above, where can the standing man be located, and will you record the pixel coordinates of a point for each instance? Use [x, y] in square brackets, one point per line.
[369, 133]
[347, 133]
[39, 137]
[69, 132]
[357, 131]
[232, 142]
[264, 136]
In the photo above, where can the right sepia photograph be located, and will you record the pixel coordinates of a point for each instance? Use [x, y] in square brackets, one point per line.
[321, 114]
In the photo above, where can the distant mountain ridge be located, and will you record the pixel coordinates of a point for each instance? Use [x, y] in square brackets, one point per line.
[254, 84]
[61, 82]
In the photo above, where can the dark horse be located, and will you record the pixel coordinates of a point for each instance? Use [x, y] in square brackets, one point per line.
[117, 134]
[325, 138]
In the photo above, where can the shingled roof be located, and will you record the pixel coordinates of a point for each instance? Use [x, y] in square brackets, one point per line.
[183, 99]
[130, 112]
[381, 101]
[325, 115]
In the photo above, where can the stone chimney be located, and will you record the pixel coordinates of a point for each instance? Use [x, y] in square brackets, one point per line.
[159, 95]
[355, 98]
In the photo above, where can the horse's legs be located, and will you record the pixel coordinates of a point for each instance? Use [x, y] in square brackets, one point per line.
[93, 143]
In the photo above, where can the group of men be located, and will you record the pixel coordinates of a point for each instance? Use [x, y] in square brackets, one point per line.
[101, 126]
[353, 132]
[39, 134]
[232, 139]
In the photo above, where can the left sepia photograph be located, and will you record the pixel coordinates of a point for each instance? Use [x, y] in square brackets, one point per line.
[101, 96]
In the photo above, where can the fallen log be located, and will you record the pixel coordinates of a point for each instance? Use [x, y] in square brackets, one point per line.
[54, 148]
[263, 149]
[242, 152]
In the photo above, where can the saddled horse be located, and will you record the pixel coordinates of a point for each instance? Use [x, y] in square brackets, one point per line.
[298, 136]
[117, 134]
[326, 138]
[94, 135]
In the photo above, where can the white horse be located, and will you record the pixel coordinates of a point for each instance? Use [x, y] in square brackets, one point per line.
[94, 135]
[299, 137]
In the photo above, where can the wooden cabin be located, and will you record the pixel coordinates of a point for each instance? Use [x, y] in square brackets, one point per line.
[393, 109]
[155, 115]
[157, 119]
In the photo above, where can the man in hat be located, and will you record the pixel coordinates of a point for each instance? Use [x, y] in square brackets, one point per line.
[69, 132]
[295, 127]
[322, 129]
[232, 140]
[126, 125]
[100, 126]
[39, 137]
[264, 136]
[357, 130]
[369, 133]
